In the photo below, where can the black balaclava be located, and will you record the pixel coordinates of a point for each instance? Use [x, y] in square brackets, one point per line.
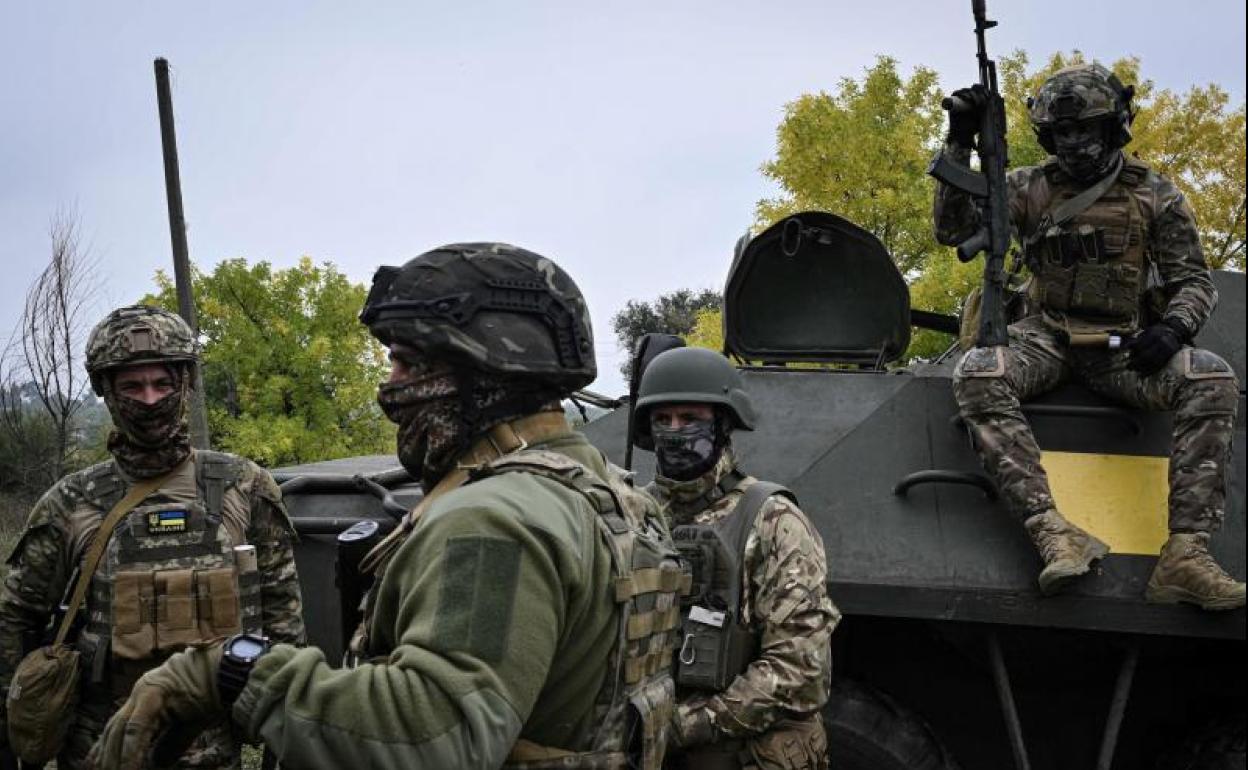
[687, 452]
[1084, 150]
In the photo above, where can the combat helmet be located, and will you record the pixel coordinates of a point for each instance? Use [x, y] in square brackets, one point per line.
[491, 307]
[135, 335]
[1082, 92]
[691, 376]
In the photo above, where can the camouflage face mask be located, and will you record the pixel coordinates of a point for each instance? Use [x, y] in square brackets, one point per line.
[1083, 151]
[425, 407]
[149, 439]
[686, 452]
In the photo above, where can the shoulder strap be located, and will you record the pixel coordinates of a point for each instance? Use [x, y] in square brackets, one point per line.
[123, 506]
[737, 527]
[1061, 214]
[214, 471]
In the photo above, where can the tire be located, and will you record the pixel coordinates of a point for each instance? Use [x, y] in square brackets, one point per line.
[1219, 745]
[867, 730]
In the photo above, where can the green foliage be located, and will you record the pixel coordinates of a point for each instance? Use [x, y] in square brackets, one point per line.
[290, 373]
[862, 152]
[673, 313]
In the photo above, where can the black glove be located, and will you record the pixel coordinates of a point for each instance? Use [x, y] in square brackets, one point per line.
[1153, 348]
[966, 113]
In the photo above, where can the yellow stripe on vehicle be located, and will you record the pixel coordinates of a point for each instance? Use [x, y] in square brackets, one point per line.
[1119, 498]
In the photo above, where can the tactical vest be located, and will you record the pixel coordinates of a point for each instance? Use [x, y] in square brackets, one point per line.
[717, 643]
[634, 709]
[169, 577]
[1092, 268]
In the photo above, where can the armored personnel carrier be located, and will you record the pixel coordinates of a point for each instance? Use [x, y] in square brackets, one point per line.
[948, 657]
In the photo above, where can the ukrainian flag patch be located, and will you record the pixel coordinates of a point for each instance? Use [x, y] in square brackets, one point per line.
[166, 522]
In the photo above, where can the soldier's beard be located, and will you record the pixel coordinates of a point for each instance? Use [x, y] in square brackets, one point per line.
[441, 412]
[149, 439]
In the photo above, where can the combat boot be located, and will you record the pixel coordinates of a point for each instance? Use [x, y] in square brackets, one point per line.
[1067, 550]
[1185, 572]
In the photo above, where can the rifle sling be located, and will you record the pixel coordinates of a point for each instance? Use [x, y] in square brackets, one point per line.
[123, 506]
[1060, 215]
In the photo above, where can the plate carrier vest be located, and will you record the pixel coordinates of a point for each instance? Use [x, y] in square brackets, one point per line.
[168, 578]
[638, 702]
[1092, 268]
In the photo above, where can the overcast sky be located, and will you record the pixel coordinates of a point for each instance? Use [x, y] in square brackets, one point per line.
[621, 139]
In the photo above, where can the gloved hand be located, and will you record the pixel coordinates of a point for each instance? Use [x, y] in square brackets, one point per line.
[692, 725]
[1153, 348]
[966, 114]
[168, 707]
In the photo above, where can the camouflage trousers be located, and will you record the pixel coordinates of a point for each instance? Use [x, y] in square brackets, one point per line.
[215, 748]
[798, 743]
[1198, 386]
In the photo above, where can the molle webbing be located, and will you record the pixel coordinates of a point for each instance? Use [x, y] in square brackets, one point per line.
[637, 699]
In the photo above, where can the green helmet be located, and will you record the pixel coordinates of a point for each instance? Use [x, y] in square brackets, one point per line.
[1083, 92]
[490, 307]
[690, 376]
[135, 335]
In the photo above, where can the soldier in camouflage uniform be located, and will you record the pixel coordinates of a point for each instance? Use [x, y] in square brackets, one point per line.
[1114, 253]
[523, 614]
[141, 361]
[754, 666]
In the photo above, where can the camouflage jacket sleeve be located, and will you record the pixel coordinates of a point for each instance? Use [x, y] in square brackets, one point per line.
[273, 536]
[1188, 288]
[39, 570]
[956, 215]
[469, 613]
[789, 606]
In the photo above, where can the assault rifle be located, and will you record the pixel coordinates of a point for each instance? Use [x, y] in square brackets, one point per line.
[987, 187]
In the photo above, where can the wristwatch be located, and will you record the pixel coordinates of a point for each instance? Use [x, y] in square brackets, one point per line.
[237, 657]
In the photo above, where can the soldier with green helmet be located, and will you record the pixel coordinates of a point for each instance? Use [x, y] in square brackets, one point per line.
[754, 666]
[1114, 254]
[207, 553]
[522, 615]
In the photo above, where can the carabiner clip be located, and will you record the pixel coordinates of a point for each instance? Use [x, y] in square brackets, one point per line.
[685, 647]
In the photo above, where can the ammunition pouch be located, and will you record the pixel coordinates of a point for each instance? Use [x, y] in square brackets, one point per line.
[717, 643]
[1089, 259]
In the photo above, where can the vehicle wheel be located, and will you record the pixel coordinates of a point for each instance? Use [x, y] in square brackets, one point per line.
[867, 730]
[1219, 745]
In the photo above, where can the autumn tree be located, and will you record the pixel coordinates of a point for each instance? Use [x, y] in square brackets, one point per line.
[672, 313]
[290, 374]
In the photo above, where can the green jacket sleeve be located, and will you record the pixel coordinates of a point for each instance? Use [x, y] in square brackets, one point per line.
[471, 610]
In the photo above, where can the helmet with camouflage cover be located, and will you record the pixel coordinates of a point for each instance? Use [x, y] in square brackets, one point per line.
[491, 307]
[691, 376]
[1082, 93]
[135, 335]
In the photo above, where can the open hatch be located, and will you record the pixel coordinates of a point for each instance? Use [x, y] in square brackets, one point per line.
[815, 288]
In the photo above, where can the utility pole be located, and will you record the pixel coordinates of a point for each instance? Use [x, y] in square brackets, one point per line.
[177, 234]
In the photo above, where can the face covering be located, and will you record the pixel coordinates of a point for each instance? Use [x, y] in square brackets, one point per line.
[438, 420]
[425, 406]
[686, 452]
[1083, 152]
[149, 439]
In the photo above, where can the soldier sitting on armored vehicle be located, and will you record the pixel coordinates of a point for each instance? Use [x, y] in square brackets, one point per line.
[201, 548]
[1114, 253]
[754, 665]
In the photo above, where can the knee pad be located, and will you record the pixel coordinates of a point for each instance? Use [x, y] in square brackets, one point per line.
[1210, 386]
[981, 363]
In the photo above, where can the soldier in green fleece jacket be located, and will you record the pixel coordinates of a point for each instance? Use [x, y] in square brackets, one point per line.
[523, 613]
